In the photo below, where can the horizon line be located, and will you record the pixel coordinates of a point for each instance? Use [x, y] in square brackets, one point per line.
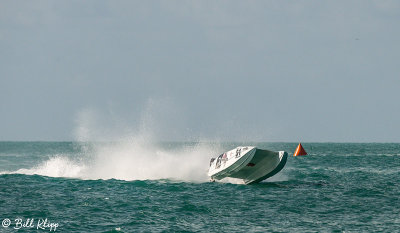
[208, 141]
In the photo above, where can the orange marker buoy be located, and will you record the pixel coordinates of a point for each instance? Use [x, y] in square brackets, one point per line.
[299, 150]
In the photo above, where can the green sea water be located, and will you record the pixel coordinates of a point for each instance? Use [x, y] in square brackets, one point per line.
[143, 187]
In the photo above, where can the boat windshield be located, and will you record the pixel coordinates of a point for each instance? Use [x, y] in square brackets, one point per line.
[218, 163]
[211, 161]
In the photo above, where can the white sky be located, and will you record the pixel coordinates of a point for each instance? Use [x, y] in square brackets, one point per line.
[209, 70]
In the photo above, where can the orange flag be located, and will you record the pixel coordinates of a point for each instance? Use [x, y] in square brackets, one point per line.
[299, 150]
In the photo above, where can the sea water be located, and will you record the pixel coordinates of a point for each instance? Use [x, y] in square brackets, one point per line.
[135, 186]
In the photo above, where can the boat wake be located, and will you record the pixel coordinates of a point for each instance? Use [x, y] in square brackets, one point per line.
[128, 161]
[133, 153]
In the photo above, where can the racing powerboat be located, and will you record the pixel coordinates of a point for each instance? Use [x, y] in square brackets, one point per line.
[248, 163]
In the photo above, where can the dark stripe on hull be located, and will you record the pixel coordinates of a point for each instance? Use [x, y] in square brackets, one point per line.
[273, 172]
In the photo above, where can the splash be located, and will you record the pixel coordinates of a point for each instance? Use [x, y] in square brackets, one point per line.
[131, 160]
[57, 166]
[142, 161]
[132, 155]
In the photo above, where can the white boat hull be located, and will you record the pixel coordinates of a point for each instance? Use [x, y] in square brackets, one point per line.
[250, 164]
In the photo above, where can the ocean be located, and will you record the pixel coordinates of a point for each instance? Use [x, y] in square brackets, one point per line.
[137, 186]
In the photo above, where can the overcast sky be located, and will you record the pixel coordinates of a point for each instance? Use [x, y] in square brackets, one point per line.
[186, 70]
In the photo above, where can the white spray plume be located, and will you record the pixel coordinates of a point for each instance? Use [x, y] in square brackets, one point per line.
[130, 157]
